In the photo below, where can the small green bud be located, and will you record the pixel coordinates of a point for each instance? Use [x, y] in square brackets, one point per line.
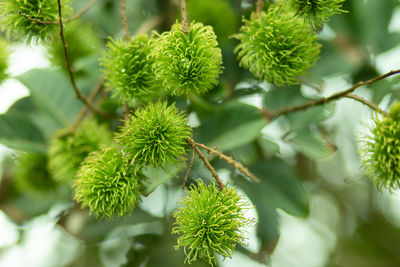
[276, 46]
[82, 42]
[67, 153]
[4, 54]
[209, 12]
[380, 153]
[129, 70]
[187, 63]
[314, 12]
[210, 222]
[17, 18]
[31, 175]
[107, 184]
[394, 111]
[155, 135]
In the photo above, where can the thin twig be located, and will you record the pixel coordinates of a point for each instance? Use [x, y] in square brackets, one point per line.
[36, 20]
[126, 112]
[209, 167]
[76, 16]
[333, 97]
[68, 65]
[96, 89]
[82, 12]
[188, 170]
[260, 5]
[185, 19]
[367, 103]
[229, 160]
[124, 20]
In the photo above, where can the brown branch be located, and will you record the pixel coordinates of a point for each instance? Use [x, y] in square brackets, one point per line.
[68, 65]
[36, 20]
[229, 160]
[367, 103]
[124, 20]
[260, 5]
[333, 97]
[189, 169]
[82, 12]
[96, 89]
[209, 167]
[185, 19]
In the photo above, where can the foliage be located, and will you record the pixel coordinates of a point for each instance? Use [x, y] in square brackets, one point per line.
[17, 18]
[209, 12]
[276, 46]
[66, 153]
[155, 135]
[187, 63]
[210, 221]
[107, 184]
[128, 69]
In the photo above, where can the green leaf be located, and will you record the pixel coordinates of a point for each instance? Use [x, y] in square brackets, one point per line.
[157, 177]
[233, 125]
[19, 132]
[51, 92]
[291, 96]
[311, 144]
[279, 188]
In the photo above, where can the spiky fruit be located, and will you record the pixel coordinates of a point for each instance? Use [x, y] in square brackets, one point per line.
[31, 175]
[380, 152]
[23, 18]
[155, 135]
[276, 46]
[4, 54]
[67, 153]
[210, 221]
[129, 70]
[315, 12]
[107, 184]
[187, 63]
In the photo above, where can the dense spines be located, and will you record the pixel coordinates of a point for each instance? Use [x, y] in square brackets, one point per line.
[155, 135]
[17, 18]
[210, 221]
[67, 153]
[128, 69]
[4, 57]
[187, 63]
[276, 46]
[380, 152]
[107, 184]
[315, 12]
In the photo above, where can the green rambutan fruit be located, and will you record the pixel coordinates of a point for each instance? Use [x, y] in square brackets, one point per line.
[107, 184]
[210, 221]
[276, 46]
[31, 176]
[187, 63]
[380, 153]
[314, 12]
[82, 42]
[17, 18]
[155, 135]
[209, 12]
[4, 54]
[67, 153]
[128, 69]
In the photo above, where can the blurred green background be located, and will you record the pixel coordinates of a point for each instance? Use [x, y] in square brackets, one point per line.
[314, 206]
